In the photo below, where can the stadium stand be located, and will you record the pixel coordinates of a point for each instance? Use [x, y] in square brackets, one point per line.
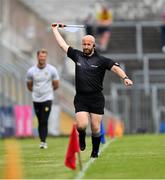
[135, 44]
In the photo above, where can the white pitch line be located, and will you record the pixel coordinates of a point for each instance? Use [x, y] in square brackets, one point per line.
[87, 165]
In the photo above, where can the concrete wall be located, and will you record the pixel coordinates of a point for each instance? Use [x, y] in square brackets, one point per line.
[27, 32]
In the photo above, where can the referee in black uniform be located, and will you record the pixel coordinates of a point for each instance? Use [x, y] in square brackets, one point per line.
[89, 101]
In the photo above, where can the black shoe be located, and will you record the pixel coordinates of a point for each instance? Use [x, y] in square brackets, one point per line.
[82, 143]
[94, 154]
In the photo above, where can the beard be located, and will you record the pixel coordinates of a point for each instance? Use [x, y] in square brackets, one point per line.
[87, 51]
[41, 63]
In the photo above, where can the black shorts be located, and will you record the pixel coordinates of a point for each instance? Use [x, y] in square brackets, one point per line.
[103, 29]
[42, 109]
[93, 103]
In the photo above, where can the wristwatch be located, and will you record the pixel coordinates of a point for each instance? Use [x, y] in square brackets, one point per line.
[126, 77]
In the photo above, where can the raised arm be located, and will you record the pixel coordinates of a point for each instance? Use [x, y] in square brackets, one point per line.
[59, 38]
[122, 74]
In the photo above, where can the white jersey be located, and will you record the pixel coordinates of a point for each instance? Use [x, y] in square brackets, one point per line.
[42, 82]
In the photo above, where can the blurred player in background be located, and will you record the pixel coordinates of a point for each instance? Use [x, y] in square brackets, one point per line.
[42, 79]
[104, 20]
[89, 100]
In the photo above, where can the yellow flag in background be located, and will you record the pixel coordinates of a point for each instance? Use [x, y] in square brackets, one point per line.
[12, 161]
[119, 129]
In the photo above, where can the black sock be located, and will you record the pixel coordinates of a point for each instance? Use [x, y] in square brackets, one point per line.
[82, 134]
[96, 138]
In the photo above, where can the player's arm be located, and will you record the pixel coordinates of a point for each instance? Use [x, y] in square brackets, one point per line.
[29, 80]
[117, 70]
[30, 85]
[61, 42]
[55, 84]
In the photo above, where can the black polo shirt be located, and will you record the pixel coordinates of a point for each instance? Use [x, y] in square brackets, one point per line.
[90, 71]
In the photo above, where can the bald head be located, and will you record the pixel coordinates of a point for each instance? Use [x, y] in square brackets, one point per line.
[89, 38]
[88, 44]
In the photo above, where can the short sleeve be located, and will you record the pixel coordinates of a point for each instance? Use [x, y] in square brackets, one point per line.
[108, 63]
[72, 53]
[29, 75]
[55, 75]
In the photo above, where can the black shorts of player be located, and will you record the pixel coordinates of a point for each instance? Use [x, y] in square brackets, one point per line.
[92, 103]
[103, 29]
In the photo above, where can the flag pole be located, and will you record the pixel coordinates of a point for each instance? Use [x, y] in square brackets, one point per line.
[68, 25]
[80, 161]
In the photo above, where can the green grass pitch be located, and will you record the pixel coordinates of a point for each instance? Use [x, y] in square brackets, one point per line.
[131, 157]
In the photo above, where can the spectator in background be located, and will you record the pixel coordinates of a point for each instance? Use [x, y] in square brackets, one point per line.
[104, 20]
[42, 79]
[89, 22]
[163, 33]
